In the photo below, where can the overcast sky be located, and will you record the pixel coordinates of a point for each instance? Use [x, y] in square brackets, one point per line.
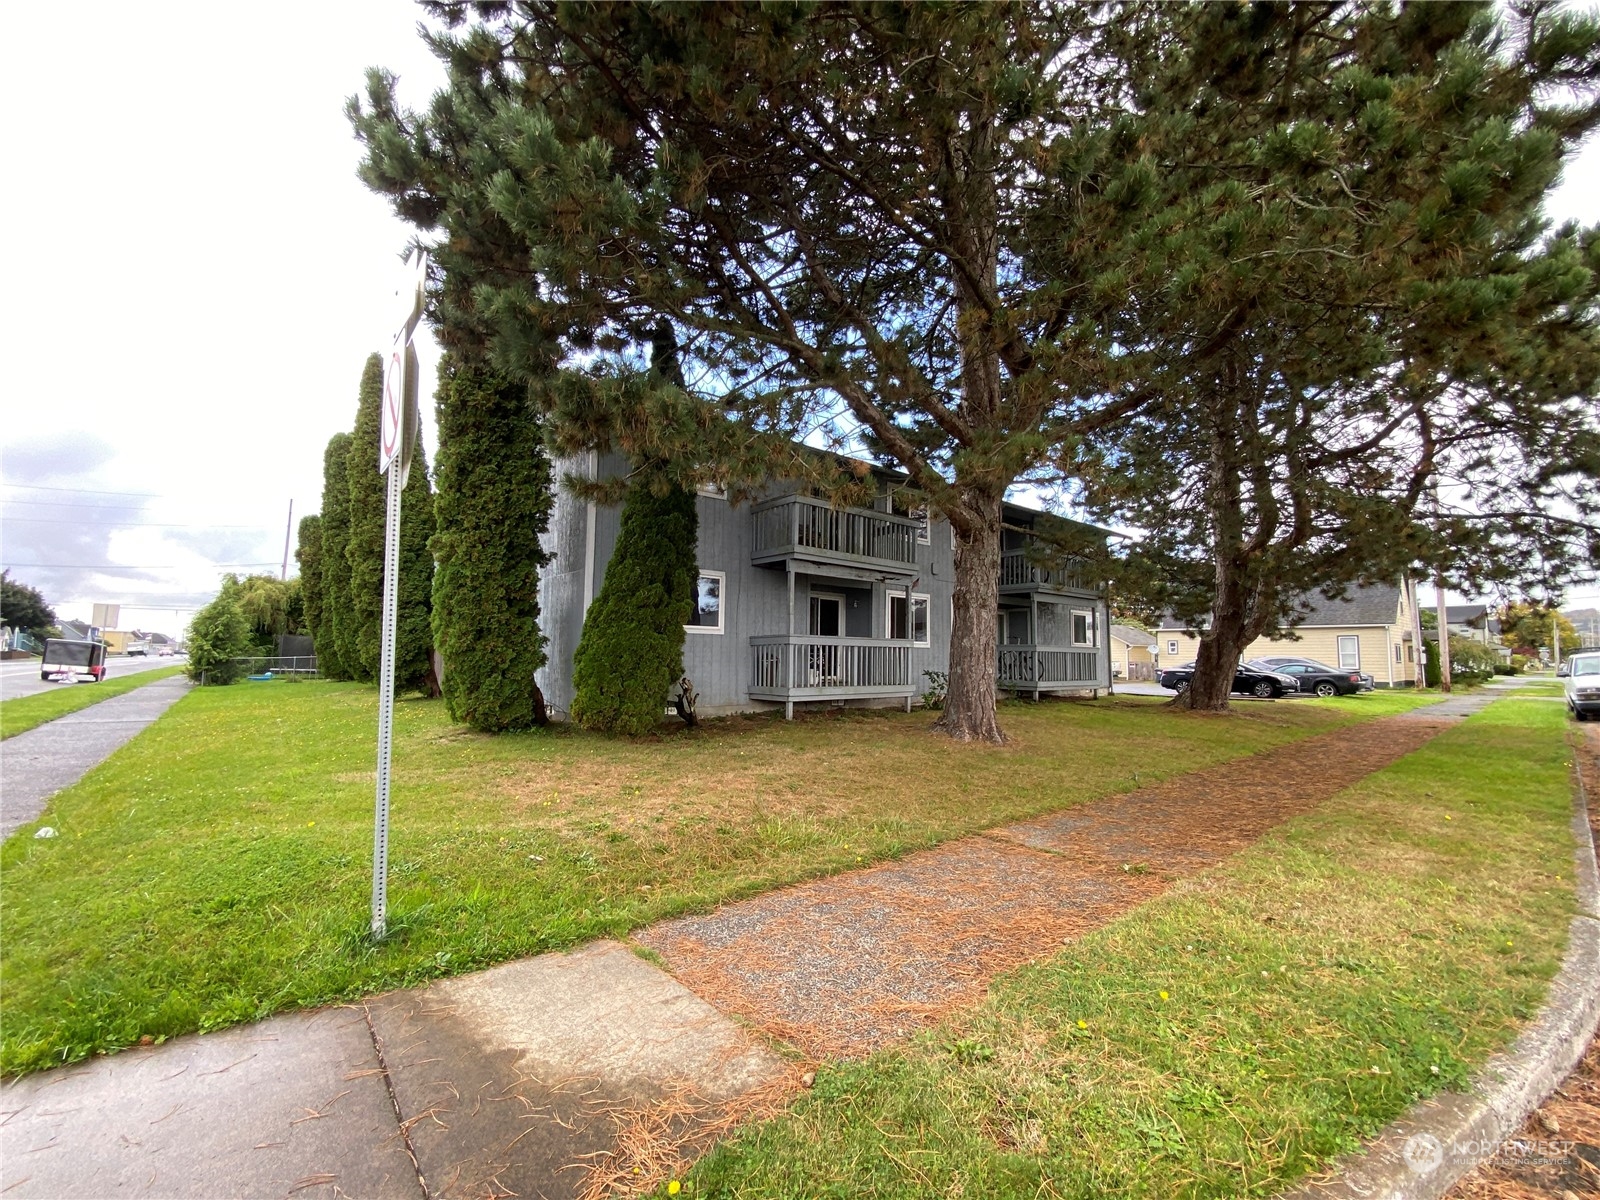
[196, 277]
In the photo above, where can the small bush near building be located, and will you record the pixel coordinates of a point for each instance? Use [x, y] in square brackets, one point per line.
[631, 651]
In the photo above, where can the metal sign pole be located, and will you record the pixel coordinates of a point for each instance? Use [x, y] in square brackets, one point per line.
[397, 437]
[380, 829]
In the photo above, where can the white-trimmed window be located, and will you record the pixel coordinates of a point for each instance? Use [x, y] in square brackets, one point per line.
[1172, 646]
[1083, 628]
[896, 620]
[709, 591]
[924, 530]
[1349, 652]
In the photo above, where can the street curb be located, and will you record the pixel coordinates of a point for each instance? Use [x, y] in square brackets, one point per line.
[1450, 1134]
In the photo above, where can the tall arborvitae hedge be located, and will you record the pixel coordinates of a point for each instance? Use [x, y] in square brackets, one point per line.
[631, 651]
[493, 502]
[364, 549]
[308, 553]
[335, 632]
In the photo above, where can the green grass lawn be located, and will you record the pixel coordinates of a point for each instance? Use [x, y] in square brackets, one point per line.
[217, 869]
[25, 712]
[1231, 1036]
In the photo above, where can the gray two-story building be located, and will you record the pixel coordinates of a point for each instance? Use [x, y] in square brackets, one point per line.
[800, 602]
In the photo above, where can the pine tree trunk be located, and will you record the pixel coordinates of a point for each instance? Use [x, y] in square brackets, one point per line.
[969, 710]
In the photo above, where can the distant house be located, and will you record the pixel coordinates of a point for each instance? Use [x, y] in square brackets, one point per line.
[1476, 623]
[78, 631]
[1133, 653]
[1374, 630]
[800, 602]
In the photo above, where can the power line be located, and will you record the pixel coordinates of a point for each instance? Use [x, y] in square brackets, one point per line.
[97, 507]
[39, 487]
[124, 524]
[126, 567]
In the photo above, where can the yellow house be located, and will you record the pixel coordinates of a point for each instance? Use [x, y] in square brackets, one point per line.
[1133, 653]
[1374, 630]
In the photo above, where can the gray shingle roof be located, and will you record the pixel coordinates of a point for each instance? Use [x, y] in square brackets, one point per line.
[1377, 604]
[1132, 636]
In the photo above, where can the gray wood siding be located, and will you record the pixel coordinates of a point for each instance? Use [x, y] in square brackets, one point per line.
[754, 598]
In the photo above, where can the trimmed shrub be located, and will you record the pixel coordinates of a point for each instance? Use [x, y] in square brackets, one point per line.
[631, 651]
[335, 637]
[364, 550]
[493, 502]
[308, 553]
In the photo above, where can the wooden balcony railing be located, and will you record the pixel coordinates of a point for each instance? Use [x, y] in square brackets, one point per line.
[1018, 571]
[1032, 668]
[804, 527]
[803, 667]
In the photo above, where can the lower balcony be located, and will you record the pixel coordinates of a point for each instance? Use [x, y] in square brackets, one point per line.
[1047, 669]
[791, 667]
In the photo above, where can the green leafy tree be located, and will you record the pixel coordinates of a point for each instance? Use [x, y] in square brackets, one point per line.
[335, 635]
[1526, 624]
[830, 207]
[273, 607]
[631, 650]
[1340, 296]
[23, 607]
[308, 553]
[364, 549]
[219, 636]
[492, 504]
[1471, 661]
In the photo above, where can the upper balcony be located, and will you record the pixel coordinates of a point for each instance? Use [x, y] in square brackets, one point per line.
[801, 527]
[1019, 572]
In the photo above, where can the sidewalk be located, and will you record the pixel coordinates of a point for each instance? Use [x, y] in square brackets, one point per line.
[502, 1082]
[36, 765]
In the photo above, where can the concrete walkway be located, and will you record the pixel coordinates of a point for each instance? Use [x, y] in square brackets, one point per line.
[36, 765]
[508, 1082]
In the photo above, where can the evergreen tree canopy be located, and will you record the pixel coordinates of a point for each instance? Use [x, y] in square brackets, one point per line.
[1340, 294]
[308, 553]
[364, 549]
[23, 607]
[335, 636]
[1260, 274]
[631, 650]
[219, 635]
[827, 205]
[492, 504]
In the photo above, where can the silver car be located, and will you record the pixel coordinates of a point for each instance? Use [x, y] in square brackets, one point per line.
[1583, 685]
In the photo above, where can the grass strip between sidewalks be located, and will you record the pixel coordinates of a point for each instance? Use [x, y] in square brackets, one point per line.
[216, 869]
[28, 712]
[1234, 1034]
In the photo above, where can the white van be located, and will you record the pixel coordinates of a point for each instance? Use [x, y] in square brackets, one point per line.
[1583, 685]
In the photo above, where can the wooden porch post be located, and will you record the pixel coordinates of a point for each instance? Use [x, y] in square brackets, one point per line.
[788, 703]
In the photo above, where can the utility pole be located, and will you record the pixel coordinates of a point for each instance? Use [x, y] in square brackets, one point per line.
[288, 525]
[1444, 631]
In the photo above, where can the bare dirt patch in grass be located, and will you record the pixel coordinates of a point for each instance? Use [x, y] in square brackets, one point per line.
[842, 966]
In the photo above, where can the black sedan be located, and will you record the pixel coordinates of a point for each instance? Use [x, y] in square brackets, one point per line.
[1247, 681]
[1314, 676]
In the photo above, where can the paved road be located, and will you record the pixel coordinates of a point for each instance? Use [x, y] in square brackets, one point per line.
[21, 677]
[36, 765]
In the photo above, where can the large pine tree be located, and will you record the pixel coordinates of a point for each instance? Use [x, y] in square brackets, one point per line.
[1340, 293]
[492, 504]
[826, 203]
[335, 632]
[364, 549]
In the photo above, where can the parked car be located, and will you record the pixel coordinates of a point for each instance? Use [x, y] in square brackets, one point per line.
[1279, 661]
[1247, 681]
[1582, 686]
[1315, 677]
